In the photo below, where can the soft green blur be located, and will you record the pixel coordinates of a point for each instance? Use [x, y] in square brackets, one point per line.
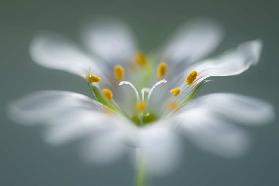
[25, 160]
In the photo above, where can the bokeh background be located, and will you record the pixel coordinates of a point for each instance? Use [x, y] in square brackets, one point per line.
[25, 160]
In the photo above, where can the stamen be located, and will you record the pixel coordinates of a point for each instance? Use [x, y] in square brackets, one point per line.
[162, 70]
[107, 93]
[140, 106]
[119, 72]
[93, 78]
[173, 106]
[132, 86]
[175, 91]
[140, 59]
[154, 86]
[190, 78]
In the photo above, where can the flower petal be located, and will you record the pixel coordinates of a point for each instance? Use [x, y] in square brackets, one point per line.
[105, 147]
[45, 106]
[160, 149]
[111, 41]
[75, 125]
[53, 51]
[71, 117]
[233, 62]
[193, 41]
[212, 133]
[208, 121]
[242, 109]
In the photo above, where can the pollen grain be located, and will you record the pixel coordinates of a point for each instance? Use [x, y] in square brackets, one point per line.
[140, 59]
[175, 91]
[107, 93]
[173, 106]
[162, 70]
[140, 106]
[119, 72]
[190, 78]
[93, 78]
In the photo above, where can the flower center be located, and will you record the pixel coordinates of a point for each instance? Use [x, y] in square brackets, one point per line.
[142, 114]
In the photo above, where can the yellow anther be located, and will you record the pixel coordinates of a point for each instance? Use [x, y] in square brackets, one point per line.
[175, 91]
[172, 106]
[119, 72]
[190, 78]
[162, 70]
[140, 106]
[107, 93]
[140, 59]
[93, 78]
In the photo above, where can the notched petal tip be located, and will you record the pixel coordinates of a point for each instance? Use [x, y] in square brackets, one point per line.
[193, 41]
[111, 40]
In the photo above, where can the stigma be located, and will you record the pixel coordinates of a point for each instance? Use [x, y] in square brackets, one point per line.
[175, 91]
[107, 93]
[140, 59]
[93, 78]
[119, 72]
[190, 78]
[162, 70]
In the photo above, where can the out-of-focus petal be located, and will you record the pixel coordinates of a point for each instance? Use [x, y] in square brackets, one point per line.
[208, 121]
[210, 132]
[160, 149]
[193, 41]
[233, 62]
[44, 106]
[243, 109]
[53, 51]
[106, 146]
[111, 41]
[76, 125]
[74, 117]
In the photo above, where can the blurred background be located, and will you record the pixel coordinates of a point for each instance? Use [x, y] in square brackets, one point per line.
[26, 160]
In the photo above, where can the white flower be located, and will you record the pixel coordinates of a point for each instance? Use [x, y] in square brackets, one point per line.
[142, 102]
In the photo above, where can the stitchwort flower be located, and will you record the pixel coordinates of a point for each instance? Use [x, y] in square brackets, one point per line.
[140, 103]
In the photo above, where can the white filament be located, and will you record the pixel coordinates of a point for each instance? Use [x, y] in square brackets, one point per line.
[143, 92]
[155, 86]
[132, 86]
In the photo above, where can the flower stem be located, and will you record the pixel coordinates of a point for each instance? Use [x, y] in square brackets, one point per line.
[140, 179]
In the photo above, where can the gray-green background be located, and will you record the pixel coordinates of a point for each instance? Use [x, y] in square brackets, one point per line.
[25, 160]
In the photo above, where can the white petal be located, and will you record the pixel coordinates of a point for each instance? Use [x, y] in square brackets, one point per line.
[53, 51]
[44, 106]
[213, 134]
[71, 117]
[160, 149]
[239, 108]
[104, 148]
[75, 125]
[233, 62]
[193, 41]
[111, 40]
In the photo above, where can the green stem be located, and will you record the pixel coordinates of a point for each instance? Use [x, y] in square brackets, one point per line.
[140, 180]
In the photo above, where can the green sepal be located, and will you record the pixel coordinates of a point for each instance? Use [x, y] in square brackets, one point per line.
[100, 98]
[191, 95]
